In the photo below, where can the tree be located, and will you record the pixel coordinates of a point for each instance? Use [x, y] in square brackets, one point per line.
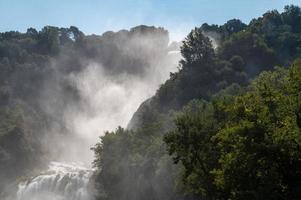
[49, 40]
[260, 143]
[196, 49]
[232, 26]
[292, 17]
[238, 63]
[190, 145]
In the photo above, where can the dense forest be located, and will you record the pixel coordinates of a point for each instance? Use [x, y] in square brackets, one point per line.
[227, 125]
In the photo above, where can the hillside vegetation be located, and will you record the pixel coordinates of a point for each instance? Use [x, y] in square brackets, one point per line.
[227, 125]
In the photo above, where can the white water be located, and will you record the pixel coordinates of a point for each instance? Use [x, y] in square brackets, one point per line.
[60, 182]
[106, 96]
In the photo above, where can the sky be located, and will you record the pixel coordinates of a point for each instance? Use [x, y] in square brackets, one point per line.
[98, 16]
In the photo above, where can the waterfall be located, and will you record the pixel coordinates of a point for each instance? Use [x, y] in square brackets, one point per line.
[60, 182]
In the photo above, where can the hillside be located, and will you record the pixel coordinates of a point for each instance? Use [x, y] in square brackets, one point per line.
[229, 119]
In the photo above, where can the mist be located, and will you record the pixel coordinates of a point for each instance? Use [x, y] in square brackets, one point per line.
[108, 91]
[80, 87]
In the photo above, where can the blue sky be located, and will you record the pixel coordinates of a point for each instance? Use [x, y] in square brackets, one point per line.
[97, 16]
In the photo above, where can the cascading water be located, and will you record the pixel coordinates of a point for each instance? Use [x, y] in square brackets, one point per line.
[60, 182]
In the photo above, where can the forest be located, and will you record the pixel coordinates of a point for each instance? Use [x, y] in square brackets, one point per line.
[225, 126]
[230, 120]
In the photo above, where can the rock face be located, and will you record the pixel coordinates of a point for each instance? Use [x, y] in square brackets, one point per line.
[60, 182]
[137, 118]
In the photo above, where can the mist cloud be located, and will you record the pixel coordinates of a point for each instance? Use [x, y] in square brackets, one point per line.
[117, 71]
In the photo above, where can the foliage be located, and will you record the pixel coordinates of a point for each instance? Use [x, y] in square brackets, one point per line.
[133, 165]
[243, 52]
[190, 144]
[236, 133]
[248, 148]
